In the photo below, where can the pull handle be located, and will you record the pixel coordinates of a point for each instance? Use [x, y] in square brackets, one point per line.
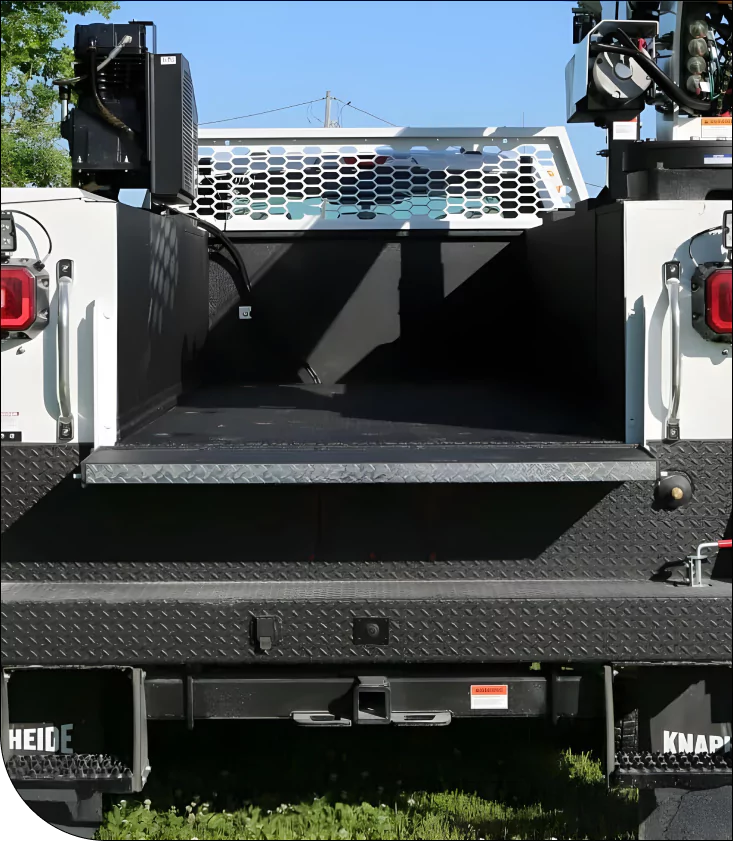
[672, 284]
[64, 279]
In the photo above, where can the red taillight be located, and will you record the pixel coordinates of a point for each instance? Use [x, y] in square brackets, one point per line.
[17, 298]
[719, 301]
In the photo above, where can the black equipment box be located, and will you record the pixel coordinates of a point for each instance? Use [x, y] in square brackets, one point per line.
[135, 122]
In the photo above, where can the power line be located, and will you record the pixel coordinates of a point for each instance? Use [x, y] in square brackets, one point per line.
[308, 102]
[207, 123]
[373, 116]
[260, 113]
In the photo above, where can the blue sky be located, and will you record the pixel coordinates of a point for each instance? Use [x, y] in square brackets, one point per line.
[413, 63]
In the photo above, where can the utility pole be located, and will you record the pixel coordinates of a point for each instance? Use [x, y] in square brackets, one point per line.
[326, 124]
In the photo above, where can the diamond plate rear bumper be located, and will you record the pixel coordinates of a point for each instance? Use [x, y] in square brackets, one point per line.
[29, 472]
[472, 574]
[429, 622]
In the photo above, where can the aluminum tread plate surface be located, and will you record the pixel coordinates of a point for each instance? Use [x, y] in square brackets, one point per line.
[446, 626]
[211, 592]
[320, 467]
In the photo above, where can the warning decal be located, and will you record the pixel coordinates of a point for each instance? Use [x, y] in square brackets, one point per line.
[626, 130]
[10, 420]
[11, 427]
[715, 128]
[493, 696]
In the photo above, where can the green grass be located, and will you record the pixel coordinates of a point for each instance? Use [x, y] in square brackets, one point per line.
[572, 802]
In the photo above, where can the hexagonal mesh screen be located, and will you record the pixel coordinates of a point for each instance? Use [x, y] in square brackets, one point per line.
[246, 185]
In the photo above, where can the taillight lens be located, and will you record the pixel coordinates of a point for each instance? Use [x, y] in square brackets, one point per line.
[719, 301]
[17, 298]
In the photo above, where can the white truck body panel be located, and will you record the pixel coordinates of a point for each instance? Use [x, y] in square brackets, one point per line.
[656, 232]
[83, 228]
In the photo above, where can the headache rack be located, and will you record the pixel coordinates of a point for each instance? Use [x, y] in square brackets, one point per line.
[366, 179]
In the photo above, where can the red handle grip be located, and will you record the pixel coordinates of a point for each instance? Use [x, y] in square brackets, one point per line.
[725, 544]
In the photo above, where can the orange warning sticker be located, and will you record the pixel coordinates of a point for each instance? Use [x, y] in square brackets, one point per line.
[715, 128]
[491, 696]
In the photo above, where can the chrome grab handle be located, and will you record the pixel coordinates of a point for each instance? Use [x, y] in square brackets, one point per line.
[672, 284]
[64, 279]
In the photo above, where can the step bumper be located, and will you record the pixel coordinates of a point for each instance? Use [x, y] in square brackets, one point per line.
[325, 622]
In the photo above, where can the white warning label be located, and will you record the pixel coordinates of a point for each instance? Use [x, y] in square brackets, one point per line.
[626, 130]
[168, 59]
[717, 160]
[10, 420]
[492, 696]
[715, 128]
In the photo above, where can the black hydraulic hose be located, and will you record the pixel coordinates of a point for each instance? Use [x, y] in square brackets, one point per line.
[228, 244]
[626, 38]
[674, 92]
[127, 39]
[103, 110]
[217, 233]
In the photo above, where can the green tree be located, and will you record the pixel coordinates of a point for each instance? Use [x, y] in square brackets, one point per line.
[31, 58]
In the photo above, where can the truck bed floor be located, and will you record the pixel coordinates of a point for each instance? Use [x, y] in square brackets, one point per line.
[363, 416]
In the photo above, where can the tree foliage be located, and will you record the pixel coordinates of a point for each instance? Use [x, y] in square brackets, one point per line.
[32, 56]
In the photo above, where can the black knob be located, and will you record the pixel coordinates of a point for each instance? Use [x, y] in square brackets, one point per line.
[674, 491]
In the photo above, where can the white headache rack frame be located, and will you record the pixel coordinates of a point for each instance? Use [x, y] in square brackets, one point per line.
[376, 179]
